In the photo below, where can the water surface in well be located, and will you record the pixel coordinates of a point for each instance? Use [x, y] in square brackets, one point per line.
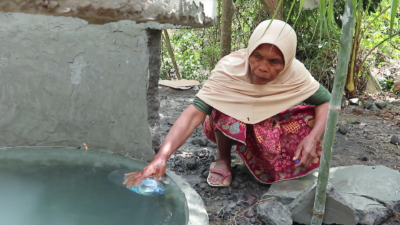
[47, 186]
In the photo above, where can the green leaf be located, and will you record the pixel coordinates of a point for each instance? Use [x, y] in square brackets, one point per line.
[354, 6]
[300, 9]
[330, 14]
[322, 12]
[393, 14]
[290, 11]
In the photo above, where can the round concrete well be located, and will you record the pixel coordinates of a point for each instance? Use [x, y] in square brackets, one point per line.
[59, 185]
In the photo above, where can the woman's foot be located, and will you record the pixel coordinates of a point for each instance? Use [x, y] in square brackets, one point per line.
[220, 174]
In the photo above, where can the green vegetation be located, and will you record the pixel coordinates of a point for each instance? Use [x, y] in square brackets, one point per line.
[197, 50]
[340, 41]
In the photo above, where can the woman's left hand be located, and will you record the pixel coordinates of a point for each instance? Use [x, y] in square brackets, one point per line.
[307, 149]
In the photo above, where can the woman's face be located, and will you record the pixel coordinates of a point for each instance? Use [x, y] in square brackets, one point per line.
[266, 63]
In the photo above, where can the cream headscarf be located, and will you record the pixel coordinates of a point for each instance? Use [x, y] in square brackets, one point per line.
[229, 90]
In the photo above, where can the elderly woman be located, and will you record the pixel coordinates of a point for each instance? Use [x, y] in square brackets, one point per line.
[248, 101]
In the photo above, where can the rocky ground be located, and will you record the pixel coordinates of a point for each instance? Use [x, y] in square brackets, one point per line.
[368, 134]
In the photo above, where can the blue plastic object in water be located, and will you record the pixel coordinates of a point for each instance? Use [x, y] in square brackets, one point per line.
[147, 187]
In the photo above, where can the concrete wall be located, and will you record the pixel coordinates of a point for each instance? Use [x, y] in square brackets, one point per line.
[180, 13]
[64, 83]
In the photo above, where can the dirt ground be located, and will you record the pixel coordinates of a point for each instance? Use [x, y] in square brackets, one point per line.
[364, 139]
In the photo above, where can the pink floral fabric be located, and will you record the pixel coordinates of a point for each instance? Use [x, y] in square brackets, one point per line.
[267, 148]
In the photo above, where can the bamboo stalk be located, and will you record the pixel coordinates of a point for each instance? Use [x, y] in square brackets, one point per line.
[356, 41]
[171, 54]
[334, 109]
[393, 8]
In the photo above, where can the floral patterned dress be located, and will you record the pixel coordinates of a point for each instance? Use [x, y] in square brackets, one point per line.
[268, 147]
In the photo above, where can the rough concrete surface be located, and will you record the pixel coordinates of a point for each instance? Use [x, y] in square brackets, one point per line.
[153, 100]
[197, 212]
[337, 210]
[286, 192]
[188, 13]
[274, 213]
[373, 193]
[64, 83]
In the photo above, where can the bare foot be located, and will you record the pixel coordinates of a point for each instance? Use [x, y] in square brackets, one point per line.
[224, 167]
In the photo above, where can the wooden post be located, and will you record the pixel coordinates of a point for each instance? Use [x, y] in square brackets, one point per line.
[171, 54]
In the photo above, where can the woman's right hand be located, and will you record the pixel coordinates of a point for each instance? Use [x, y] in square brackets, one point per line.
[155, 169]
[179, 133]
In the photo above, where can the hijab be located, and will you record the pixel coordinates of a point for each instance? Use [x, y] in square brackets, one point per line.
[229, 90]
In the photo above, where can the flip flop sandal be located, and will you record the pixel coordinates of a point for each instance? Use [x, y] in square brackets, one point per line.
[224, 176]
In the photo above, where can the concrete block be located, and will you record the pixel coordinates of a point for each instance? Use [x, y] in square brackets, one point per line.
[371, 192]
[64, 82]
[337, 210]
[177, 13]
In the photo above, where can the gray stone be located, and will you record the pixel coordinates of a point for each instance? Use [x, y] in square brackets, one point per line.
[370, 190]
[367, 105]
[354, 101]
[205, 173]
[374, 108]
[212, 144]
[348, 110]
[171, 122]
[223, 191]
[274, 213]
[235, 184]
[203, 186]
[345, 102]
[71, 83]
[250, 213]
[241, 178]
[288, 190]
[174, 13]
[238, 197]
[396, 102]
[222, 211]
[200, 141]
[337, 210]
[343, 129]
[381, 105]
[251, 199]
[191, 163]
[395, 140]
[232, 205]
[355, 122]
[389, 106]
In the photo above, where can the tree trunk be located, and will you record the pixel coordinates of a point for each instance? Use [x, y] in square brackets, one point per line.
[272, 6]
[226, 28]
[334, 109]
[171, 54]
